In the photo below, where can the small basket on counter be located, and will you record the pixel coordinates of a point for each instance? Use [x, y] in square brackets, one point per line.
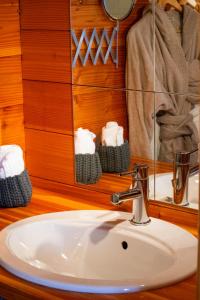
[15, 191]
[114, 158]
[88, 168]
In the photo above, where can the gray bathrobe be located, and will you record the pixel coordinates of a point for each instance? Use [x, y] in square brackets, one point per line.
[170, 87]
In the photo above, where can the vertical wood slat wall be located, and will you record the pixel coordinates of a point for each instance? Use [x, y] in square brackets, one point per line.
[11, 98]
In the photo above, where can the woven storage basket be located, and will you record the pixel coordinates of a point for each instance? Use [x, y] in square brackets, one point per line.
[114, 159]
[15, 191]
[88, 168]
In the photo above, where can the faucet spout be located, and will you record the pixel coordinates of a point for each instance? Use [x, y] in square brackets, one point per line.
[119, 198]
[181, 174]
[138, 193]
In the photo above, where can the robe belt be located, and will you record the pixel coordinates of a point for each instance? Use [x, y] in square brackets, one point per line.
[172, 127]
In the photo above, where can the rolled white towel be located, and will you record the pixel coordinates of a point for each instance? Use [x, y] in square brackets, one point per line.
[112, 135]
[11, 161]
[84, 143]
[120, 136]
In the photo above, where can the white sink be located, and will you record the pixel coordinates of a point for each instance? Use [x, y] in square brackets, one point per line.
[97, 252]
[164, 191]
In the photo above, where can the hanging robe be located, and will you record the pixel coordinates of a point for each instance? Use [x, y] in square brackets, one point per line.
[165, 77]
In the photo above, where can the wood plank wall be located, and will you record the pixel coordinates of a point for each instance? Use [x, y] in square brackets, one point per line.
[98, 91]
[11, 98]
[57, 98]
[46, 66]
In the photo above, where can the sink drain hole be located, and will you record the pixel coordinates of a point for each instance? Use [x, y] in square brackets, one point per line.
[124, 245]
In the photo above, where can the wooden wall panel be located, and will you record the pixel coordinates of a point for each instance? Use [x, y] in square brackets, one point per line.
[89, 15]
[50, 156]
[48, 106]
[45, 14]
[93, 107]
[46, 55]
[12, 125]
[102, 75]
[10, 81]
[46, 66]
[9, 28]
[11, 97]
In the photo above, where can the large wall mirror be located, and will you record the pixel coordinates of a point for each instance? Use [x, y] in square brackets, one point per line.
[142, 73]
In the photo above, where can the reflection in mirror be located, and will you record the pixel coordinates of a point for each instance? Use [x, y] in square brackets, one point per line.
[93, 109]
[173, 111]
[157, 124]
[177, 86]
[118, 10]
[176, 132]
[161, 189]
[178, 32]
[180, 186]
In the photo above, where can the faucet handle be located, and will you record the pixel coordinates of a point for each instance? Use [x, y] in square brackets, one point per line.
[141, 171]
[131, 173]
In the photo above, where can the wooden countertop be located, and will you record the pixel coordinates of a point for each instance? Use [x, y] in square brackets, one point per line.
[43, 201]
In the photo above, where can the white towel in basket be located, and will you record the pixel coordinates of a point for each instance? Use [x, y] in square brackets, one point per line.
[11, 161]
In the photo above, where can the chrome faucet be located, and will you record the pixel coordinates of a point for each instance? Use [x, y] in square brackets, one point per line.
[181, 173]
[138, 194]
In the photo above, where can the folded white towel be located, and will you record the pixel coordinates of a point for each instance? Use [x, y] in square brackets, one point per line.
[11, 161]
[84, 143]
[112, 135]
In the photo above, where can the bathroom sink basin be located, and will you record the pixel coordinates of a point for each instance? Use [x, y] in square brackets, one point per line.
[97, 252]
[164, 190]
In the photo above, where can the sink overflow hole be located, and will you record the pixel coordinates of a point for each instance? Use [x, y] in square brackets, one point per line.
[124, 245]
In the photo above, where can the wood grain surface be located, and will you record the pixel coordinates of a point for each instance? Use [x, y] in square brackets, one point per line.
[10, 81]
[93, 107]
[12, 125]
[50, 155]
[46, 67]
[45, 14]
[46, 55]
[11, 97]
[9, 28]
[48, 106]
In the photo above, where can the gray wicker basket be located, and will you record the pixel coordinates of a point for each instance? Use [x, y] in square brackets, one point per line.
[15, 191]
[88, 168]
[114, 159]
